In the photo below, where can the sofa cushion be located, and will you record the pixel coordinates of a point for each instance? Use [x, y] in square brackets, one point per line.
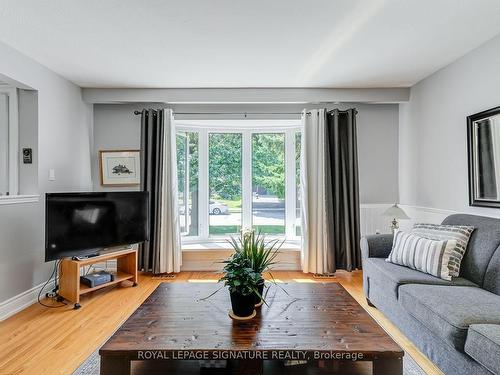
[482, 244]
[376, 245]
[491, 280]
[449, 311]
[483, 345]
[390, 276]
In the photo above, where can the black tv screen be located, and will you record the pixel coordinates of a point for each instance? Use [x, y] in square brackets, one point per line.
[78, 224]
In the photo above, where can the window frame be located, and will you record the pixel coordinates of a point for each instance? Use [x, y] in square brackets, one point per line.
[186, 175]
[246, 132]
[13, 141]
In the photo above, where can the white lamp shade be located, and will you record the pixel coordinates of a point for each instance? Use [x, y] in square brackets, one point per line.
[396, 212]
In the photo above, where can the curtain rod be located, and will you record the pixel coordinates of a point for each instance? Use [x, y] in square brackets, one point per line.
[237, 113]
[136, 112]
[231, 113]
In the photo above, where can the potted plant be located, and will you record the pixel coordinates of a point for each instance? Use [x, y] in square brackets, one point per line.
[260, 253]
[242, 282]
[242, 272]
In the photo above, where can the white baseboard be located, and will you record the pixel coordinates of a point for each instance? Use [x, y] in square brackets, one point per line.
[23, 300]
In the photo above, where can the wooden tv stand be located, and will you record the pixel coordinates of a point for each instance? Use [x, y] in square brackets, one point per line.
[70, 287]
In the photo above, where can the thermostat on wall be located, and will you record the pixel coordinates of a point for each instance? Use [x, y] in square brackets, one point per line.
[27, 155]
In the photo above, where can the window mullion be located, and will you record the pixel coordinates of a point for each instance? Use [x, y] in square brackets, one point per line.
[203, 184]
[246, 188]
[186, 181]
[290, 184]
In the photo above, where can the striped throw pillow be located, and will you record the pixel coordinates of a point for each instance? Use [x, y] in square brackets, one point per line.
[422, 254]
[460, 233]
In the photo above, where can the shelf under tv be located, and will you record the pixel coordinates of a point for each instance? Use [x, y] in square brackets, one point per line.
[119, 277]
[70, 287]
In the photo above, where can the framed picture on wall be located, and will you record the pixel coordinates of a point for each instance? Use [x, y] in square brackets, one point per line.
[120, 167]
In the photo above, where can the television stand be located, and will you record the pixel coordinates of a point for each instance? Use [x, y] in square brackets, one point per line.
[70, 287]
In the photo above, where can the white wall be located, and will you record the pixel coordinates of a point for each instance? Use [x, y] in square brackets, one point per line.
[63, 144]
[433, 132]
[115, 128]
[378, 152]
[28, 137]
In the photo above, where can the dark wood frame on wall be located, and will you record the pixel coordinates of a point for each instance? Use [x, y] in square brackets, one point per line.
[470, 155]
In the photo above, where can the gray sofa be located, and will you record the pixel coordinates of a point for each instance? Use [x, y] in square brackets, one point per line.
[455, 323]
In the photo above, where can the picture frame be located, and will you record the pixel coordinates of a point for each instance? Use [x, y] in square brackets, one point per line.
[483, 146]
[120, 167]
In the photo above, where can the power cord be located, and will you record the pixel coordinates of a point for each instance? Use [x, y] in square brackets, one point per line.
[55, 290]
[89, 269]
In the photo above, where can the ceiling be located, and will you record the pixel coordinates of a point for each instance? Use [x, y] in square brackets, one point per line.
[247, 43]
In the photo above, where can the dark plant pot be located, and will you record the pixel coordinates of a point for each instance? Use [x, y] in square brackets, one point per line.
[243, 306]
[260, 287]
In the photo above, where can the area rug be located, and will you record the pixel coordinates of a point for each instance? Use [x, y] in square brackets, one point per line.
[91, 366]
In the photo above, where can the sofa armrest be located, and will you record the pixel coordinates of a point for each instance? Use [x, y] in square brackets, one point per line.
[376, 246]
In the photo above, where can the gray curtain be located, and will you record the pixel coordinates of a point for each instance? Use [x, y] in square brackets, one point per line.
[152, 135]
[342, 191]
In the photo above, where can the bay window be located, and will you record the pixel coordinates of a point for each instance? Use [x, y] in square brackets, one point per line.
[234, 175]
[188, 182]
[224, 183]
[268, 183]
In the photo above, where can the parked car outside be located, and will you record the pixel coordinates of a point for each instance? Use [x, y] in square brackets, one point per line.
[217, 208]
[214, 208]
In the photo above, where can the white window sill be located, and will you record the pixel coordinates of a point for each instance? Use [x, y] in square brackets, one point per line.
[18, 199]
[223, 245]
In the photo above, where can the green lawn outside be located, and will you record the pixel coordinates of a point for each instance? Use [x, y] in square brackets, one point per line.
[234, 206]
[235, 229]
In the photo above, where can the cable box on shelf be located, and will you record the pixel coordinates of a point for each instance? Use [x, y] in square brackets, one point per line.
[97, 278]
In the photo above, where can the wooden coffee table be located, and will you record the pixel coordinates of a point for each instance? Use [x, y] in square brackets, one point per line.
[315, 322]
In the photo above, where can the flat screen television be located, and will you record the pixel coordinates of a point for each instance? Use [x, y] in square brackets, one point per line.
[80, 224]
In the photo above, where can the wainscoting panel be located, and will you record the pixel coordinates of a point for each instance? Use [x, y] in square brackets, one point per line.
[423, 215]
[372, 220]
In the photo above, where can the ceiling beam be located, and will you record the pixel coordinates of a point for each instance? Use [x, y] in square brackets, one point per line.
[245, 95]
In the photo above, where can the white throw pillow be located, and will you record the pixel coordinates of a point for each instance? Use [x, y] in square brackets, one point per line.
[422, 254]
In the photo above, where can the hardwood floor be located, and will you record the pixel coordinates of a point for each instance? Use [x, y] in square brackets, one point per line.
[40, 340]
